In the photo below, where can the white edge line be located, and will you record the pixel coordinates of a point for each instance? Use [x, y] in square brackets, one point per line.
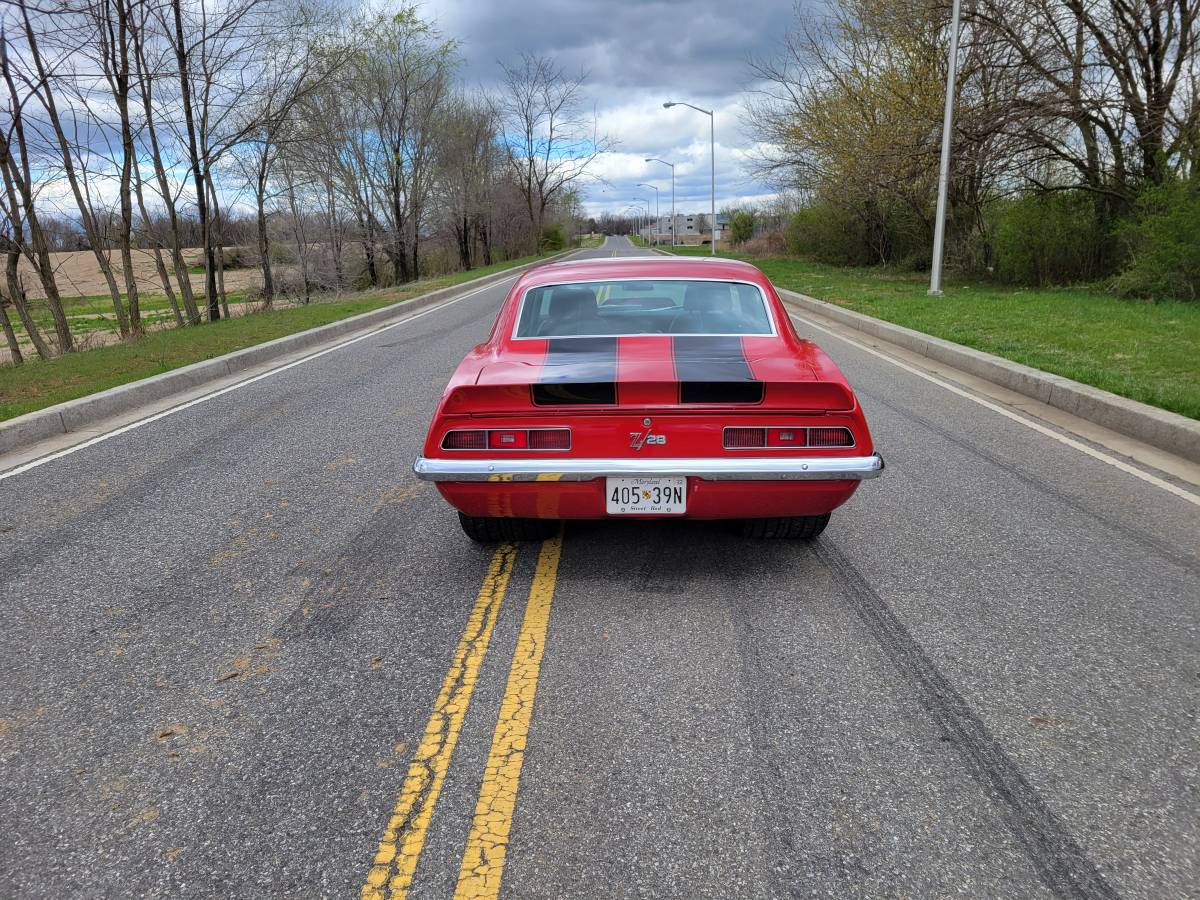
[90, 442]
[1028, 423]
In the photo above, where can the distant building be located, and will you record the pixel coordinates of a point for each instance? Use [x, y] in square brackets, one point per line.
[687, 228]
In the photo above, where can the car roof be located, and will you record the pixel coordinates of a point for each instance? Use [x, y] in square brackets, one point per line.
[612, 267]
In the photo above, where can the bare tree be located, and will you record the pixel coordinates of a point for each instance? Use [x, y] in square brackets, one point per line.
[21, 193]
[549, 142]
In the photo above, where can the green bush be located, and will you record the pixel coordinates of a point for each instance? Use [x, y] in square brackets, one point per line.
[554, 238]
[741, 226]
[1163, 240]
[826, 234]
[1052, 238]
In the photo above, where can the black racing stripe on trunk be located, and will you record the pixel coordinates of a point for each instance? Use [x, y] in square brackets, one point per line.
[700, 358]
[577, 360]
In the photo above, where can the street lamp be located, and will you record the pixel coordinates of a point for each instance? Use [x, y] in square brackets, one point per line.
[712, 160]
[672, 167]
[657, 212]
[639, 209]
[939, 228]
[637, 216]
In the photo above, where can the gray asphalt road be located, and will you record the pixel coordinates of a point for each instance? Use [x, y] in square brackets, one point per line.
[224, 632]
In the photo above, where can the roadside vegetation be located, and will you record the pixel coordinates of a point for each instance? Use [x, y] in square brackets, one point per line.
[1092, 176]
[42, 383]
[1143, 351]
[262, 152]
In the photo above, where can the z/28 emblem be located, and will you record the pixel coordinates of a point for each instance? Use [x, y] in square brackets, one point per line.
[639, 439]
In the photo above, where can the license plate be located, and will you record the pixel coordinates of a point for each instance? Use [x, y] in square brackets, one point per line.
[645, 496]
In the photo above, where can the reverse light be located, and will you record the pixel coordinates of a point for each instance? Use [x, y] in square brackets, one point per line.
[508, 440]
[787, 437]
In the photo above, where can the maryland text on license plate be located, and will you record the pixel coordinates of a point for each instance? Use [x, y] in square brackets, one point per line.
[642, 496]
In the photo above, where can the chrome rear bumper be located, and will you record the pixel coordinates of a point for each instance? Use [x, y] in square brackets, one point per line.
[819, 468]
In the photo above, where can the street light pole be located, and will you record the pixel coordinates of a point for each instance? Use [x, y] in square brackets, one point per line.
[939, 228]
[712, 157]
[657, 211]
[672, 167]
[639, 209]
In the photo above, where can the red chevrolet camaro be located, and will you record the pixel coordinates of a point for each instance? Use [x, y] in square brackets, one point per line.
[646, 387]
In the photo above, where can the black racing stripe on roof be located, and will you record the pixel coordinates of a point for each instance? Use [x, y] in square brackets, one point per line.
[701, 358]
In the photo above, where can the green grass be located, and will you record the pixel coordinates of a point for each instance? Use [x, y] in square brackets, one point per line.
[1148, 352]
[589, 241]
[39, 384]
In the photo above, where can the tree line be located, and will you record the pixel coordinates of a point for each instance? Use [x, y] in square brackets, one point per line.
[1075, 146]
[327, 148]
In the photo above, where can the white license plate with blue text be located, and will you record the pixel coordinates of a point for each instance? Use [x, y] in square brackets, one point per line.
[646, 496]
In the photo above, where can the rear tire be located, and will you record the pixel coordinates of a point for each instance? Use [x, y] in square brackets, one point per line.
[492, 530]
[787, 528]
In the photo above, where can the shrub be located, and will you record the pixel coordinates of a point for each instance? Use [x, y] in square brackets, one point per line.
[554, 238]
[826, 234]
[1052, 238]
[741, 226]
[1163, 240]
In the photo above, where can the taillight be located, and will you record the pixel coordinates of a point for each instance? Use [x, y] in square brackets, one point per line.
[830, 437]
[745, 438]
[549, 439]
[465, 440]
[741, 438]
[508, 439]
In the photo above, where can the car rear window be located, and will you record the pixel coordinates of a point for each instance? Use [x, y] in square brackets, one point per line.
[643, 306]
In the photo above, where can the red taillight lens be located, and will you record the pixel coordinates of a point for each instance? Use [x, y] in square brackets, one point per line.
[507, 440]
[830, 437]
[745, 438]
[465, 440]
[549, 439]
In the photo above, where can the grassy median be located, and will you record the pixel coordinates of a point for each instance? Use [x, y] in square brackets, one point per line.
[1148, 352]
[39, 384]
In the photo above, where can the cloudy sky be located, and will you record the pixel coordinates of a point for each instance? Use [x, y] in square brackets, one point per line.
[639, 53]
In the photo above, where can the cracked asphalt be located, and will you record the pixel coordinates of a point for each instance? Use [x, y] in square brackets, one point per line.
[232, 636]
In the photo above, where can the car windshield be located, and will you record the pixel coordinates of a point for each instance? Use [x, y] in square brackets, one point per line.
[643, 306]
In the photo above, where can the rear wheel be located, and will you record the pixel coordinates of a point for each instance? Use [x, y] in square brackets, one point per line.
[788, 527]
[491, 530]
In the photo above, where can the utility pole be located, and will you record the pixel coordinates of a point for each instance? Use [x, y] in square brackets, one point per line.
[939, 228]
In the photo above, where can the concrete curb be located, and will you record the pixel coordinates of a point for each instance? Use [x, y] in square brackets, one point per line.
[1166, 430]
[74, 415]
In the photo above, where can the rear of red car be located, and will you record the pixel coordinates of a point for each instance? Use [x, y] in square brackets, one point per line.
[703, 404]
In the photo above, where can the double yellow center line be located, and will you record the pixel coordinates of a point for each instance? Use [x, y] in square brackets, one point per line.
[400, 848]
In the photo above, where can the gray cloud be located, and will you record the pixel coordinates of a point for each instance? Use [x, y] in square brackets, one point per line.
[638, 53]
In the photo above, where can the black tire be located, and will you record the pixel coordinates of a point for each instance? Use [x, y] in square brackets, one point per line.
[489, 530]
[787, 528]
